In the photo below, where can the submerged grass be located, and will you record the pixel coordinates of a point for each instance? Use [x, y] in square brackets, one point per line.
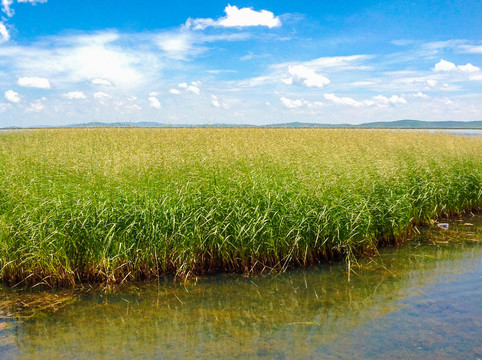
[114, 205]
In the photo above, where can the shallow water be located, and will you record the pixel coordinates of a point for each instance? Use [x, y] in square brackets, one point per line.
[421, 301]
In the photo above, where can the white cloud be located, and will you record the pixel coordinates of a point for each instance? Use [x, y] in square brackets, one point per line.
[431, 82]
[34, 82]
[79, 58]
[74, 95]
[100, 60]
[132, 107]
[299, 103]
[377, 100]
[182, 85]
[301, 75]
[342, 100]
[35, 107]
[293, 104]
[154, 102]
[174, 91]
[443, 65]
[193, 89]
[333, 63]
[4, 34]
[179, 45]
[383, 100]
[33, 2]
[99, 81]
[101, 95]
[236, 17]
[12, 96]
[217, 103]
[468, 68]
[4, 107]
[6, 7]
[471, 49]
[362, 83]
[420, 95]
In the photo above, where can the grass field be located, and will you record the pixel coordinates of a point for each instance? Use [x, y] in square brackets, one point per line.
[114, 205]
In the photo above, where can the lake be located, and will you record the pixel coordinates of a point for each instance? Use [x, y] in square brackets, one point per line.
[419, 301]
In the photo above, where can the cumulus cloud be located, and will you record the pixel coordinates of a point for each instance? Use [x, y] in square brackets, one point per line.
[154, 102]
[99, 81]
[444, 65]
[420, 95]
[343, 100]
[182, 85]
[468, 68]
[298, 103]
[12, 96]
[34, 82]
[194, 89]
[217, 103]
[4, 34]
[101, 95]
[74, 95]
[378, 100]
[174, 91]
[383, 100]
[35, 107]
[293, 103]
[236, 17]
[302, 75]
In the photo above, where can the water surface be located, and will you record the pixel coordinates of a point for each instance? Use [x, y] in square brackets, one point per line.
[421, 301]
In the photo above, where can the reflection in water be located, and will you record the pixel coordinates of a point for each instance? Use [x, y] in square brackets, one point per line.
[420, 301]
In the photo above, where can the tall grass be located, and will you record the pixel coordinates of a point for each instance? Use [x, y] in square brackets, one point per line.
[115, 205]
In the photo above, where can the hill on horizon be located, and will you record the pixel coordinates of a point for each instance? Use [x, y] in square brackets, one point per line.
[398, 124]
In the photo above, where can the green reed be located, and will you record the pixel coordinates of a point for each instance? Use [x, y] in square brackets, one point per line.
[114, 205]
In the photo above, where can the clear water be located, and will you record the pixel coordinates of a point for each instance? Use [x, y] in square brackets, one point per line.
[421, 301]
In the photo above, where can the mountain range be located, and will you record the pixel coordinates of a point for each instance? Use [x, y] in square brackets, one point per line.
[399, 124]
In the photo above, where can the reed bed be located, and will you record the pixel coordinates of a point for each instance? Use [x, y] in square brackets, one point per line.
[116, 205]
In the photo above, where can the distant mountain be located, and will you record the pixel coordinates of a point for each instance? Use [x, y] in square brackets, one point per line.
[118, 124]
[425, 124]
[302, 124]
[399, 124]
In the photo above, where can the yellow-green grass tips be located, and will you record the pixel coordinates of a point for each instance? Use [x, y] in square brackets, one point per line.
[114, 205]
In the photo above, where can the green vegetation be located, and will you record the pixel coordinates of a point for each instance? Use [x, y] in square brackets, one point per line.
[114, 205]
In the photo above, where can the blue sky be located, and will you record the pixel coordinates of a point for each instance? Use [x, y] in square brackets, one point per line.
[244, 62]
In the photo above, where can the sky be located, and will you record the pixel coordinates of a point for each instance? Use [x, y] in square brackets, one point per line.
[239, 62]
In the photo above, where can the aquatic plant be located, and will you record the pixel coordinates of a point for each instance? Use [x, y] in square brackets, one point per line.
[114, 205]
